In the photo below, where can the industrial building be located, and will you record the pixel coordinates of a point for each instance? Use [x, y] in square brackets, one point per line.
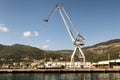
[107, 64]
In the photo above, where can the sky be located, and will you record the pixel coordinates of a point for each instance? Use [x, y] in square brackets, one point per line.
[21, 22]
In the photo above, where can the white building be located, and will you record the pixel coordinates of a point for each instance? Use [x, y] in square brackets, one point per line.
[109, 63]
[67, 64]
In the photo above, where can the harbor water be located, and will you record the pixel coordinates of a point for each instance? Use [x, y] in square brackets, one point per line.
[60, 76]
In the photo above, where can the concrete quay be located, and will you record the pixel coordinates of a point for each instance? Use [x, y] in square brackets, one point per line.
[56, 70]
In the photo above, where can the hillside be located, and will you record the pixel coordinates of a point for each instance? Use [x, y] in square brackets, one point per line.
[98, 52]
[17, 53]
[101, 51]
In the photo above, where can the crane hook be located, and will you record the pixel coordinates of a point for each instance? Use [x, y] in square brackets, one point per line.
[46, 20]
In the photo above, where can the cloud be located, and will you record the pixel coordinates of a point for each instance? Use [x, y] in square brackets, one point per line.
[36, 33]
[47, 40]
[35, 46]
[30, 34]
[3, 28]
[27, 34]
[41, 47]
[45, 47]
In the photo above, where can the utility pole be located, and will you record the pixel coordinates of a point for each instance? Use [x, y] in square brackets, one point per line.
[109, 60]
[119, 55]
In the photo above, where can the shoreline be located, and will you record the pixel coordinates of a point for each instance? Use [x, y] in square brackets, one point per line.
[58, 70]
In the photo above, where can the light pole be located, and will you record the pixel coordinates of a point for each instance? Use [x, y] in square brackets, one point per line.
[119, 54]
[109, 60]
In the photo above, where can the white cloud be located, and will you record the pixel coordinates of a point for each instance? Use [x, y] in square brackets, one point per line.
[30, 34]
[47, 40]
[36, 34]
[27, 34]
[35, 46]
[41, 47]
[3, 28]
[45, 47]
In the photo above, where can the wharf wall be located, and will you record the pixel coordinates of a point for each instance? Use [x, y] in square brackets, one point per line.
[57, 70]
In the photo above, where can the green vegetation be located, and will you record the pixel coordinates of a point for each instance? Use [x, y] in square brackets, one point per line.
[18, 53]
[101, 51]
[98, 52]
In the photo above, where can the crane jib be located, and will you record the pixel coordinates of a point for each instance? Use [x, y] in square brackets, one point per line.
[62, 11]
[76, 41]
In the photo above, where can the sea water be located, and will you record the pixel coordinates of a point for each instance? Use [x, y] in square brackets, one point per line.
[60, 76]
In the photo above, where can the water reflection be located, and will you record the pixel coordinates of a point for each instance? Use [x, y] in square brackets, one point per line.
[61, 76]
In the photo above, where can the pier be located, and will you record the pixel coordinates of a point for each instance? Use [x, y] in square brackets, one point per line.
[56, 70]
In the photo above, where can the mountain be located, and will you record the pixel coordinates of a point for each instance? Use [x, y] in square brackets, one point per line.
[17, 53]
[98, 52]
[102, 50]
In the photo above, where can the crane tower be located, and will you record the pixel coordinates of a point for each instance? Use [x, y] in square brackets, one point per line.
[78, 40]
